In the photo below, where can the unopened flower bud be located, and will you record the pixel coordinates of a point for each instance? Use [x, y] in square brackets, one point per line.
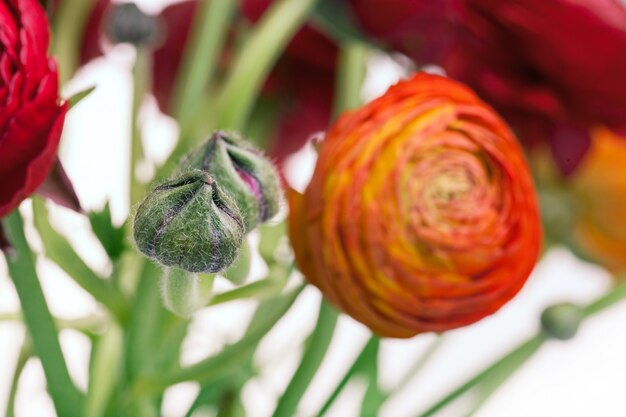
[561, 321]
[243, 171]
[126, 23]
[189, 223]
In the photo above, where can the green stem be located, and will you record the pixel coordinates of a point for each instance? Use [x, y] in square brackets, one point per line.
[104, 371]
[496, 374]
[349, 81]
[231, 357]
[61, 253]
[519, 354]
[67, 400]
[183, 292]
[367, 355]
[419, 364]
[614, 296]
[210, 29]
[255, 61]
[311, 359]
[24, 356]
[350, 76]
[87, 325]
[261, 289]
[69, 23]
[141, 85]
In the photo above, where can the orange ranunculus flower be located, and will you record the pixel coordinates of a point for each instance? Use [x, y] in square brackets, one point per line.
[599, 189]
[421, 214]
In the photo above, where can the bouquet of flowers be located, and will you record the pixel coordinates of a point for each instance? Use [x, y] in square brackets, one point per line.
[427, 209]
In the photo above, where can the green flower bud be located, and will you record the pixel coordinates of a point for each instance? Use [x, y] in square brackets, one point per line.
[126, 23]
[243, 171]
[189, 223]
[561, 321]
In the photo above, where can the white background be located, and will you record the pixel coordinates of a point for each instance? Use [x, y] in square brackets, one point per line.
[580, 378]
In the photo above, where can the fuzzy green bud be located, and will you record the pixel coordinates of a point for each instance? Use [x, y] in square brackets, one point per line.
[189, 223]
[561, 321]
[243, 171]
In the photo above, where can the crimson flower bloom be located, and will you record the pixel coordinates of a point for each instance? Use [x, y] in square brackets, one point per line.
[31, 112]
[421, 214]
[422, 29]
[553, 69]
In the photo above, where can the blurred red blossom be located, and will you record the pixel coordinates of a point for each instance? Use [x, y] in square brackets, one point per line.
[31, 112]
[554, 69]
[422, 29]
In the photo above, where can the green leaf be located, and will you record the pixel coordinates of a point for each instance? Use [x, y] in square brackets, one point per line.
[78, 97]
[336, 19]
[58, 250]
[112, 238]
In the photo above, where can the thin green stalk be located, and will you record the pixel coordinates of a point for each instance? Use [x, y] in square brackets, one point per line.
[142, 328]
[261, 289]
[350, 78]
[496, 374]
[88, 325]
[419, 364]
[368, 354]
[61, 253]
[614, 296]
[352, 67]
[68, 26]
[311, 359]
[210, 29]
[255, 61]
[519, 354]
[104, 371]
[500, 375]
[25, 354]
[141, 85]
[229, 360]
[67, 400]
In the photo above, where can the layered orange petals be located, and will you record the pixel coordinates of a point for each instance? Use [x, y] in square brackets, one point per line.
[600, 195]
[421, 214]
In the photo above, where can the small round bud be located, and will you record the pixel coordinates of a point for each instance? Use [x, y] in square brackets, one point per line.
[126, 23]
[243, 171]
[189, 223]
[561, 321]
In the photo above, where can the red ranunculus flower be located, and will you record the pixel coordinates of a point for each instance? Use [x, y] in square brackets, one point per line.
[31, 113]
[421, 29]
[552, 68]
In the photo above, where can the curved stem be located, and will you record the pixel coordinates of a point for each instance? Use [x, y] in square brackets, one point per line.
[255, 61]
[419, 364]
[520, 353]
[67, 400]
[68, 26]
[311, 359]
[61, 253]
[141, 84]
[496, 374]
[368, 354]
[231, 357]
[352, 60]
[24, 356]
[202, 55]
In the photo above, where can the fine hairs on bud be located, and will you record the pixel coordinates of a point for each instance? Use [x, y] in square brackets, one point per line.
[243, 171]
[190, 223]
[179, 291]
